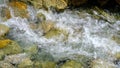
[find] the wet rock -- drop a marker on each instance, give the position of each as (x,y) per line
(31,49)
(3,30)
(42,56)
(46,25)
(72,64)
(48,65)
(11,48)
(26,63)
(15,59)
(19,9)
(58,4)
(4,43)
(45,64)
(40,17)
(117,55)
(6,65)
(5,13)
(98,63)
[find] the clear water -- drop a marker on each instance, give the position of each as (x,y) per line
(86,35)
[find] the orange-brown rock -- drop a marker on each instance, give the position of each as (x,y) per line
(19,8)
(5,13)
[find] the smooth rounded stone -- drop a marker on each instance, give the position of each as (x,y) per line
(26,63)
(16,59)
(3,30)
(72,64)
(6,65)
(19,9)
(117,55)
(5,13)
(12,48)
(98,63)
(102,2)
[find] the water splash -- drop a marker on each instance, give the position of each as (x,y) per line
(87,36)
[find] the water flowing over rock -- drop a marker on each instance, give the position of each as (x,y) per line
(35,35)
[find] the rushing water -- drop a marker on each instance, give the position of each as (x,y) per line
(86,35)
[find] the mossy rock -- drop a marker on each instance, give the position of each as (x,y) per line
(31,49)
(11,48)
(44,64)
(19,9)
(3,30)
(72,64)
(26,63)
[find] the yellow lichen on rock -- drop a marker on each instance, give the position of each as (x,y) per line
(4,43)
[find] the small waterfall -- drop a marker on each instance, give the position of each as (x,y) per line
(86,35)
